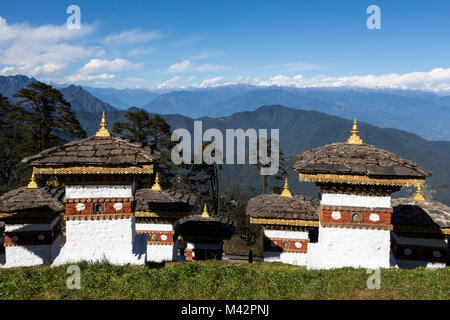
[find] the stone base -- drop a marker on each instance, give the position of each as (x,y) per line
(32,255)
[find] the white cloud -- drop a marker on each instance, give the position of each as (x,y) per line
(209,82)
(119,64)
(132,36)
(187,66)
(435,79)
(81,77)
(98,69)
(169,84)
(208,67)
(140,51)
(133,79)
(39,51)
(180,67)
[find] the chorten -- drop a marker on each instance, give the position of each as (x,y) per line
(100,175)
(157,211)
(356,181)
(30,217)
(204,234)
(421,232)
(289,225)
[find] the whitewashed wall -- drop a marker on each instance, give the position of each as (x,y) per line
(358,248)
(99,191)
(160,253)
(27,256)
(351,200)
(102,240)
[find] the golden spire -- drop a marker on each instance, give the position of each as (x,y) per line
(156,186)
(103,132)
(32,184)
(418,195)
(286,193)
(354,138)
(205,213)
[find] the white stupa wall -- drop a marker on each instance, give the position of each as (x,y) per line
(158,252)
(353,200)
(113,240)
(99,191)
(299,259)
(30,255)
(102,240)
(345,247)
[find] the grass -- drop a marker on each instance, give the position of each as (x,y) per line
(220,280)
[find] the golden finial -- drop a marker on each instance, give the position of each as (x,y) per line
(156,186)
(32,184)
(418,195)
(354,138)
(205,213)
(286,193)
(103,132)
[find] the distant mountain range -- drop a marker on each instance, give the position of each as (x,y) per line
(80,99)
(422,113)
(123,98)
(301,130)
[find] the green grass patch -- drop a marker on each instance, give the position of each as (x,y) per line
(221,280)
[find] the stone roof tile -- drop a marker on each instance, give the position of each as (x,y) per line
(40,199)
(420,213)
(272,206)
(343,158)
(95,150)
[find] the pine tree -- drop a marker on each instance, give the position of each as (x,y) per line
(41,119)
(204,179)
(154,132)
(45,117)
(282,172)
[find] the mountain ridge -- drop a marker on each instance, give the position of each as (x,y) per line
(301,130)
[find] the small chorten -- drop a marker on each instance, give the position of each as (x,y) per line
(156,186)
(286,193)
(205,213)
(103,131)
(32,184)
(418,195)
(354,138)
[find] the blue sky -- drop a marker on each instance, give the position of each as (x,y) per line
(166,44)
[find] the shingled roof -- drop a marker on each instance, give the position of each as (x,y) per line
(95,150)
(353,159)
(197,228)
(272,206)
(39,199)
(427,213)
(163,201)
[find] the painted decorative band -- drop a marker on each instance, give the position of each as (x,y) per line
(353,179)
(145,169)
(286,222)
(98,217)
